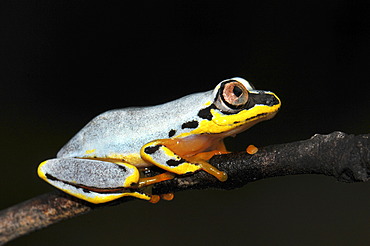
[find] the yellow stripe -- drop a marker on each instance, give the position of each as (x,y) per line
(183,168)
(40,173)
(105,198)
(90,151)
(223,122)
(133,178)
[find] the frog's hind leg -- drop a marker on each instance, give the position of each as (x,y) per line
(91,180)
(157,153)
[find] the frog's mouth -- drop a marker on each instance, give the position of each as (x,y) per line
(241,126)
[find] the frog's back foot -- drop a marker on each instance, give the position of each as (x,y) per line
(91,180)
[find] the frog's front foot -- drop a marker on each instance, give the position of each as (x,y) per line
(143,182)
(158,154)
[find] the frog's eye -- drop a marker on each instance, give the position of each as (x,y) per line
(232,96)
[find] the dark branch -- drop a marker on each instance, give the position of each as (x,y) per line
(345,157)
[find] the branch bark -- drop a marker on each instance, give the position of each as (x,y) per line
(345,157)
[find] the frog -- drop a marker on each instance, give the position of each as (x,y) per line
(105,160)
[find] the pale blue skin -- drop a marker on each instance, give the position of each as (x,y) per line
(125,131)
(121,131)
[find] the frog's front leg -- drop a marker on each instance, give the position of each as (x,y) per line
(94,181)
(158,153)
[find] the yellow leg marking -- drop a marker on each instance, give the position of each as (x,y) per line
(188,164)
(180,165)
(40,172)
(90,151)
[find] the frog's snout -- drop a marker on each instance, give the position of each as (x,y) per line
(264,98)
(271,100)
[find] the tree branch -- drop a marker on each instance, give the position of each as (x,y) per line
(345,157)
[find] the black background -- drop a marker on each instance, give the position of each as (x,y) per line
(64,62)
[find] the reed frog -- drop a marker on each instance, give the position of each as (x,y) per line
(101,162)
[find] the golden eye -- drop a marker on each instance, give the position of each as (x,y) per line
(232,96)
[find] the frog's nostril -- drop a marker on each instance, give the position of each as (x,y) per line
(271,100)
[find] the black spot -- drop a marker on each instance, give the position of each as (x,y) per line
(123,168)
(51,177)
(86,190)
(190,124)
(256,116)
(152,149)
(172,133)
(206,112)
(174,163)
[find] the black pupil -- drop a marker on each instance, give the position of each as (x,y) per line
(237,91)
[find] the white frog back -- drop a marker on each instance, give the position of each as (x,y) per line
(125,131)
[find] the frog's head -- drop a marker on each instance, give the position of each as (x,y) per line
(236,106)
